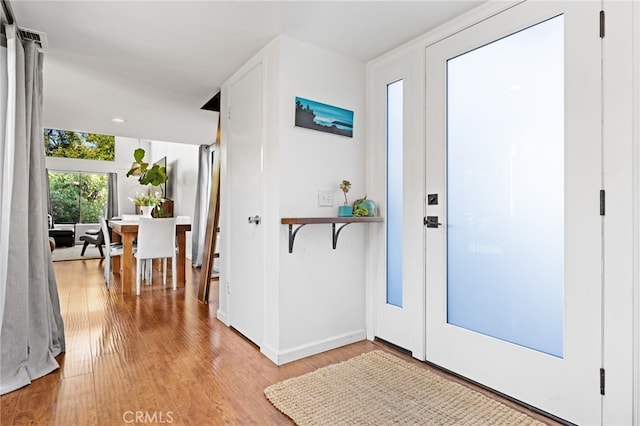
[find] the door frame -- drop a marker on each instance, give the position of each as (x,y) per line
(635,137)
(621,149)
(408,68)
(225,274)
(573,377)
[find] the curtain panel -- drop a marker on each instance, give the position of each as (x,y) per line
(32,330)
(112,209)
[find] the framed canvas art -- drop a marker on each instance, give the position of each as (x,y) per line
(322,117)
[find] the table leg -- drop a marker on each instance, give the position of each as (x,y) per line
(182,243)
(128,265)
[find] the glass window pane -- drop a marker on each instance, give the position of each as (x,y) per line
(77,197)
(395,142)
(63,194)
(70,144)
(505,188)
(93,197)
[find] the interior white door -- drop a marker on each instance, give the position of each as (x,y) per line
(514,244)
(398,287)
(246,285)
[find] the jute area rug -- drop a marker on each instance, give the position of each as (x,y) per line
(73,253)
(377,388)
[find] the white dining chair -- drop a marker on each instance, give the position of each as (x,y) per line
(110,250)
(156,240)
(183,219)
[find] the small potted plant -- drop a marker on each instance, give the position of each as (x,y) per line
(364,207)
(147,202)
(346,210)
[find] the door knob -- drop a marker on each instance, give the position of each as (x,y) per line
(254,219)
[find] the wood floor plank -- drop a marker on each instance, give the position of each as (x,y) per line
(8,404)
(154,358)
(76,403)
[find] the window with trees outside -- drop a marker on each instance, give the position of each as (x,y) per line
(70,144)
(77,197)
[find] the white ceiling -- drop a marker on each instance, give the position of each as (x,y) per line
(155,63)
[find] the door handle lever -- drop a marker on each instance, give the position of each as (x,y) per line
(254,219)
(431,222)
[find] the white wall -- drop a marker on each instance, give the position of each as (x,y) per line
(321,290)
(314,297)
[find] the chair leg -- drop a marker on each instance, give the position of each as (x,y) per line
(100,250)
(107,270)
(84,247)
(148,264)
(164,272)
(174,272)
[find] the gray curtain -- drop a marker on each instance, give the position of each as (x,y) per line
(32,331)
(201,211)
(6,171)
(49,209)
(112,209)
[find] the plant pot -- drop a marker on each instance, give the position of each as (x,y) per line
(369,205)
(345,211)
(146,210)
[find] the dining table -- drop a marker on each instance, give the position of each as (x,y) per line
(126,231)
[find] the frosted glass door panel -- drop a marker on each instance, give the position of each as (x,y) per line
(505,188)
(395,142)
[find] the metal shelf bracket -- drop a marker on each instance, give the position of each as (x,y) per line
(292,235)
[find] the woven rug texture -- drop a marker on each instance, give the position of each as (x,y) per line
(377,388)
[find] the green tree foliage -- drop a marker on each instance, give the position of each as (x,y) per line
(77,197)
(68,144)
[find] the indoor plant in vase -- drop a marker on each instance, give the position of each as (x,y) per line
(146,202)
(148,176)
(346,210)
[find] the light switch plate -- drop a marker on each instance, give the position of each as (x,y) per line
(325,198)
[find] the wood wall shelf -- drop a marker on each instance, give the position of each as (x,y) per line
(302,221)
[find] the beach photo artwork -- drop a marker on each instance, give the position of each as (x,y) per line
(322,117)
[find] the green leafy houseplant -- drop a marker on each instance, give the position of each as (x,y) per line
(147,199)
(154,175)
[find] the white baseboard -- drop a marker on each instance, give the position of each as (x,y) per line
(222,316)
(313,348)
(270,353)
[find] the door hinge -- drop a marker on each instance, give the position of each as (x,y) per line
(602,24)
(229,113)
(602,381)
(602,202)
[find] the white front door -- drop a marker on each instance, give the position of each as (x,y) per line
(514,242)
(398,285)
(246,284)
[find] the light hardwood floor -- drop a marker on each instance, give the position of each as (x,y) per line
(161,358)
